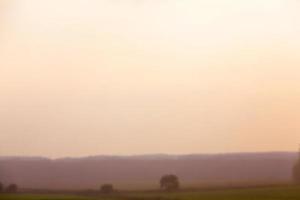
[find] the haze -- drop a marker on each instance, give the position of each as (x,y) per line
(87,77)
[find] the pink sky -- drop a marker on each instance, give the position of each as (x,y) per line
(86,77)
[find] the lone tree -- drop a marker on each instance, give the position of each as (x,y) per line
(169,182)
(1,187)
(296,171)
(12,188)
(107,188)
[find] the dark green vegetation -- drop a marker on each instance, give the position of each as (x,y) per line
(270,193)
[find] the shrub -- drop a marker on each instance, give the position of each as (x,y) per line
(1,187)
(296,172)
(107,188)
(12,188)
(169,182)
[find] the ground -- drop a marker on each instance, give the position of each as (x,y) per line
(269,193)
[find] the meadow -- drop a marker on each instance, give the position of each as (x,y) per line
(268,193)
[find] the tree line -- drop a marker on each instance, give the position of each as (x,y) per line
(168,182)
(296,171)
(12,188)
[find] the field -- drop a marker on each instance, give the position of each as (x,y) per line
(270,193)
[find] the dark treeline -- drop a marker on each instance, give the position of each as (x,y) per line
(89,172)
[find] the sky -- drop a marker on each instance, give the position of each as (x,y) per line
(114,77)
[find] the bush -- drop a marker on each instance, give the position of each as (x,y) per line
(107,188)
(12,188)
(169,182)
(296,172)
(1,187)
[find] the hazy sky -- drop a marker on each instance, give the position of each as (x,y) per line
(86,77)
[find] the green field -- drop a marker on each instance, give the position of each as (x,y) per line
(271,193)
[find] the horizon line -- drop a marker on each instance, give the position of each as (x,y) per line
(141,155)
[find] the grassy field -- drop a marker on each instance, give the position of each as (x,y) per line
(271,193)
(41,197)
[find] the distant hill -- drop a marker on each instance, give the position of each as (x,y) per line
(145,170)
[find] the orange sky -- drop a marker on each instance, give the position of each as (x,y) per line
(86,77)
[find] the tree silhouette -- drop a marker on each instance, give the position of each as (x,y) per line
(12,188)
(107,188)
(296,171)
(169,182)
